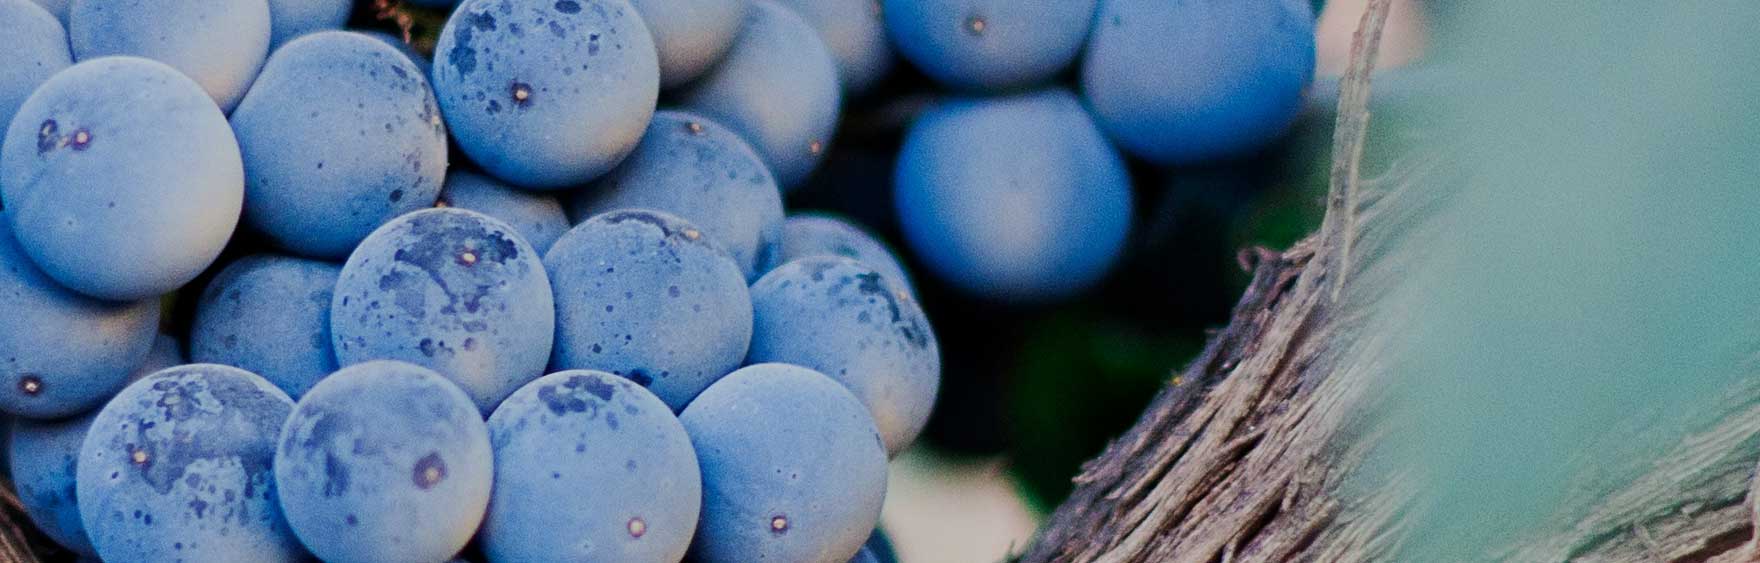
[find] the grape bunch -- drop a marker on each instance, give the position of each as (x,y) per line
(280,290)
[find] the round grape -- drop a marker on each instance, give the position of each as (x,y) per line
(546,94)
(1016,198)
(793,469)
(614,450)
(450,290)
(178,467)
(121,178)
(1199,80)
(384,462)
(647,296)
(340,135)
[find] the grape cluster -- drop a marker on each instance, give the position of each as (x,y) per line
(540,297)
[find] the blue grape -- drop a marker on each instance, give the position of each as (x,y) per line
(778,88)
(702,172)
(121,179)
(177,468)
(613,450)
(690,36)
(422,61)
(340,135)
(845,320)
(990,45)
(221,44)
(1017,198)
(63,353)
(434,3)
(538,217)
(793,469)
(819,234)
(546,94)
(269,315)
(450,290)
(36,47)
(384,462)
(292,18)
(647,296)
(855,32)
(1198,80)
(43,458)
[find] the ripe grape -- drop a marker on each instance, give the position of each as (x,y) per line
(793,469)
(546,94)
(538,216)
(177,467)
(36,49)
(62,353)
(845,320)
(121,178)
(691,35)
(292,18)
(820,234)
(989,45)
(1013,198)
(450,290)
(610,447)
(1198,80)
(647,296)
(43,459)
(339,135)
(384,462)
(855,31)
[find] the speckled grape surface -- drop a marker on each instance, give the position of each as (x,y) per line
(384,462)
(610,447)
(339,135)
(546,93)
(650,297)
(451,290)
(821,234)
(177,467)
(44,462)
